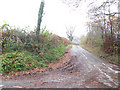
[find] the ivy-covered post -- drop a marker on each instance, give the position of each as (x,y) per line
(39,19)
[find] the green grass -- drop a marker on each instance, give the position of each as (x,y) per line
(68,46)
(101,54)
(27,52)
(16,61)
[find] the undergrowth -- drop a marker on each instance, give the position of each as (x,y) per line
(21,50)
(101,54)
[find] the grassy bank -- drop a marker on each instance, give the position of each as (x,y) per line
(21,50)
(101,54)
(16,61)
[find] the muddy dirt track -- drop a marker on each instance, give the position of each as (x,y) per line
(83,71)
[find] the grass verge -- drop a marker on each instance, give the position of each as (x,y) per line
(16,61)
(101,54)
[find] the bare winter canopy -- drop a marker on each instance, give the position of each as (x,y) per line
(69,32)
(74,3)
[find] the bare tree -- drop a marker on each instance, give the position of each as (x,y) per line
(70,32)
(74,3)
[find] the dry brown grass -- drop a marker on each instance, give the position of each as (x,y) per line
(61,39)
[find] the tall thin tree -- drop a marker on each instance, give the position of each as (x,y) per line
(39,18)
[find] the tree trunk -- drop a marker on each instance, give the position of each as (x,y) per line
(39,19)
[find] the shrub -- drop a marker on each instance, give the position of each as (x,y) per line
(19,61)
(22,51)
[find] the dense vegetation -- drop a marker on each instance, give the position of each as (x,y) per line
(22,51)
(103,37)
